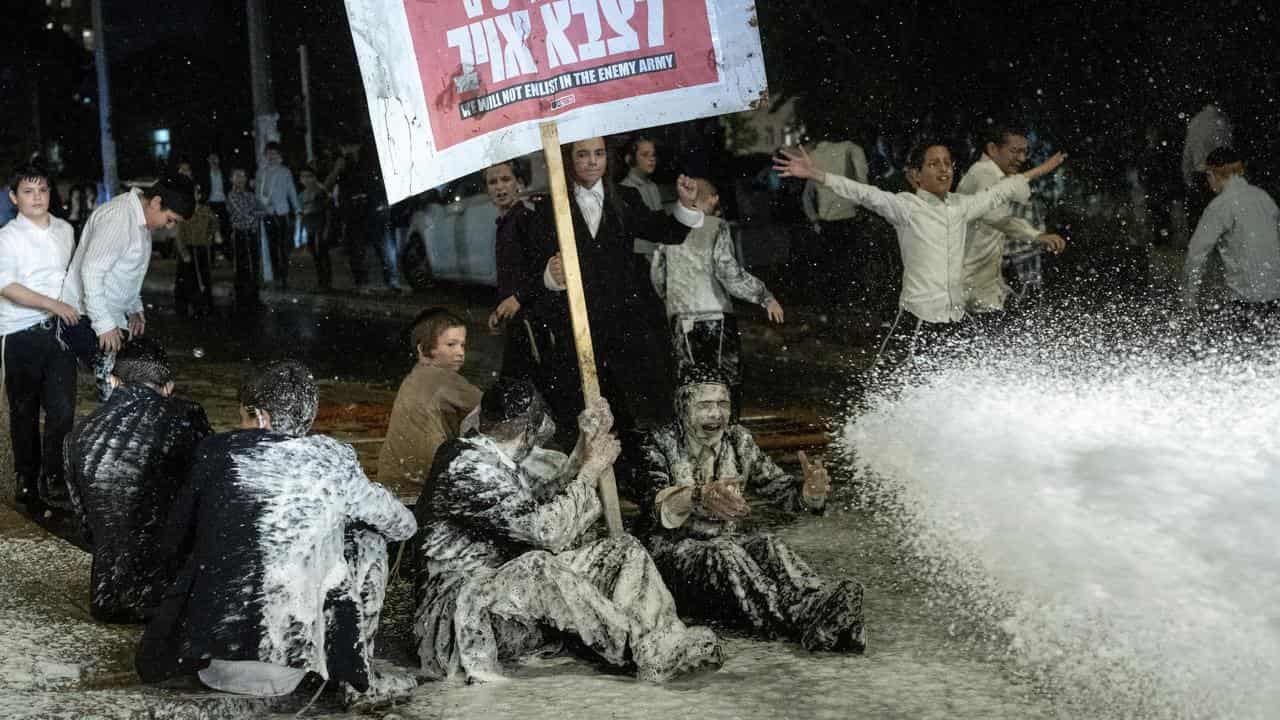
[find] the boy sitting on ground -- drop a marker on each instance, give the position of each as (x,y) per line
(125,465)
(432,400)
(690,486)
(281,543)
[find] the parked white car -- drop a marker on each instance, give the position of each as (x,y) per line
(451,236)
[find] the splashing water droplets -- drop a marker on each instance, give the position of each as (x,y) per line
(1112,511)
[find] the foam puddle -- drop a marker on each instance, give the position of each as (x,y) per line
(1112,512)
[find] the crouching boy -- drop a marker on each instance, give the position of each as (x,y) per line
(283,546)
(125,465)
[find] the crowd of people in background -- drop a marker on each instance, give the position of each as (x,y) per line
(258,557)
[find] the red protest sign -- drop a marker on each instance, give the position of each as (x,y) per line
(509,61)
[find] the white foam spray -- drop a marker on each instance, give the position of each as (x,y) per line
(1111,511)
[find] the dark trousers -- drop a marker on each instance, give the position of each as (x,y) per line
(39,375)
(193,287)
(248,260)
(280,243)
(224,225)
(316,226)
(355,223)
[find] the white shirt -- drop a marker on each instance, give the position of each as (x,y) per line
(1240,224)
(931,233)
(275,187)
(35,258)
(985,240)
(105,278)
(216,192)
(591,203)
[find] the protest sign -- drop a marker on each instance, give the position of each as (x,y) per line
(456,85)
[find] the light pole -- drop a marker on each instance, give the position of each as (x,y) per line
(110,176)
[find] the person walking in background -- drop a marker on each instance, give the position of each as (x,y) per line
(352,176)
(217,193)
(279,196)
(193,244)
(245,212)
(1208,130)
(841,249)
(315,223)
(1001,231)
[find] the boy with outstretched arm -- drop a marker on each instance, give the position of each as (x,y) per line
(931,224)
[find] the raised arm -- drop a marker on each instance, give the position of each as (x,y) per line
(485,492)
(797,163)
(657,226)
(762,475)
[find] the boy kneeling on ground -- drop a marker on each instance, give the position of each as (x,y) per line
(126,463)
(282,542)
(432,401)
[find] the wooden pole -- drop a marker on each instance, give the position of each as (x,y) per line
(577,305)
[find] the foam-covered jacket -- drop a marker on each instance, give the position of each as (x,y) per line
(699,278)
(261,534)
(125,464)
(669,471)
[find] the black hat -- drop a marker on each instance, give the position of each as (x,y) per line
(1221,157)
(508,400)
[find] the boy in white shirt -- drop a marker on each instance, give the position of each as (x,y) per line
(39,374)
(104,281)
(931,225)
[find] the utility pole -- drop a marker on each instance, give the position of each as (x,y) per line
(265,118)
(305,72)
(265,129)
(110,176)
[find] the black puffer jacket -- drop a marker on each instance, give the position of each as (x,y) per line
(125,464)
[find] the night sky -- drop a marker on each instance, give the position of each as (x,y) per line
(1093,76)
